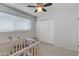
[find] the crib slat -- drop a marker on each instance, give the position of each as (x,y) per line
(37,49)
(13,48)
(19,46)
(28,51)
(32,51)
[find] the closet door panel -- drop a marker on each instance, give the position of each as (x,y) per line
(51,31)
(42,30)
(45,31)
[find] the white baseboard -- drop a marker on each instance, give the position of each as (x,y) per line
(47,42)
(65,48)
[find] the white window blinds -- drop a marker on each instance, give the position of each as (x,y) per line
(13,23)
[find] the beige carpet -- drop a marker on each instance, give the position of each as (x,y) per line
(50,50)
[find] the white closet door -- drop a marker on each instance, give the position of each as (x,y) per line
(78,37)
(51,31)
(78,32)
(45,31)
(42,30)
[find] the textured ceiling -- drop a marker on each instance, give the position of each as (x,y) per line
(23,7)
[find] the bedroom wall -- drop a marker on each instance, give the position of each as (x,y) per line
(23,34)
(65,24)
(66,28)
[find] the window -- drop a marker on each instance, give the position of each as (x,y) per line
(13,23)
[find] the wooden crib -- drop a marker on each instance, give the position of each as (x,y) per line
(19,47)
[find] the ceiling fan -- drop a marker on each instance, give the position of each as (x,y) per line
(40,7)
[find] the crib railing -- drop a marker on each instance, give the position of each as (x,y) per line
(19,47)
(32,50)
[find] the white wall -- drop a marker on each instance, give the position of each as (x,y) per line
(66,27)
(23,34)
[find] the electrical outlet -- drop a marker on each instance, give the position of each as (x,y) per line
(78,18)
(78,45)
